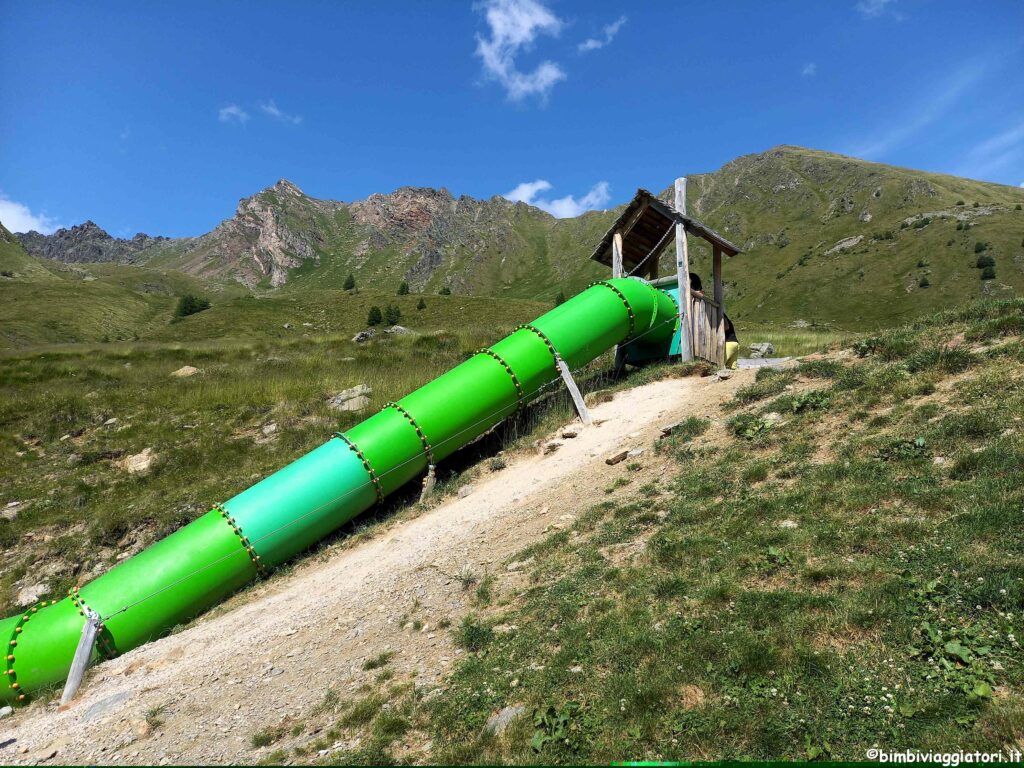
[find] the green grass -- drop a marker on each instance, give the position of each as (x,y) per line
(886,608)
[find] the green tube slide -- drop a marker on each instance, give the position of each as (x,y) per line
(202,563)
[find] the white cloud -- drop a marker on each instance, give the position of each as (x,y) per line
(872,9)
(514,25)
(233,113)
(609,30)
(923,114)
(993,155)
(563,207)
(809,70)
(19,218)
(270,108)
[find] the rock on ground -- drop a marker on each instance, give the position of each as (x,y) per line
(498,722)
(140,462)
(185,371)
(351,399)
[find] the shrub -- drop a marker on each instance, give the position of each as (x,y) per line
(988,273)
(403,289)
(350,282)
(923,282)
(560,298)
(421,305)
(960,202)
(980,247)
(472,635)
(190,305)
(1017,207)
(903,225)
(922,223)
(446,291)
(392,315)
(976,204)
(748,426)
(375,316)
(949,242)
(921,263)
(903,450)
(985,261)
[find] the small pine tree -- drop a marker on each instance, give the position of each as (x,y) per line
(976,204)
(988,273)
(350,282)
(446,291)
(403,289)
(979,247)
(190,305)
(921,263)
(959,202)
(560,298)
(1017,207)
(923,282)
(421,305)
(375,317)
(985,261)
(959,226)
(392,315)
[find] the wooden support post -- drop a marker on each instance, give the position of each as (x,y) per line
(577,398)
(428,483)
(617,255)
(720,301)
(683,275)
(83,653)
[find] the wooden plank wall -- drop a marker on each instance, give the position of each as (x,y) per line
(706,331)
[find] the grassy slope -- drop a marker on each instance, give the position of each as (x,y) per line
(56,455)
(851,576)
(789,206)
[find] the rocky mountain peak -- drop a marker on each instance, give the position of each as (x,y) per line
(286,187)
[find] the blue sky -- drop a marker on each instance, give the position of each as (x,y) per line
(158,117)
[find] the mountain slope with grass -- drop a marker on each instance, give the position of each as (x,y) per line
(813,560)
(828,240)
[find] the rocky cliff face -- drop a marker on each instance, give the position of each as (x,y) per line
(86,242)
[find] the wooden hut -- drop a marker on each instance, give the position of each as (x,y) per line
(632,247)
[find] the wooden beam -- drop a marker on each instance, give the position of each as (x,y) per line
(683,275)
(577,398)
(617,255)
(720,301)
(83,654)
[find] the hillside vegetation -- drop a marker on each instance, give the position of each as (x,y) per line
(828,241)
(835,561)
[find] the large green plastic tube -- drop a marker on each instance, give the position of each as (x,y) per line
(265,525)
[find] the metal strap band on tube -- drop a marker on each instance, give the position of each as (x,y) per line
(512,374)
(543,337)
(621,295)
(366,465)
(423,438)
(253,554)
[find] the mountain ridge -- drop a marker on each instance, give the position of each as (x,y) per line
(821,233)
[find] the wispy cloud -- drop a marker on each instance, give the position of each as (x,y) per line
(923,114)
(18,217)
(995,154)
(563,207)
(270,108)
(810,70)
(233,113)
(609,30)
(514,26)
(872,9)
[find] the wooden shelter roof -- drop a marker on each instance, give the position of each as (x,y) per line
(647,224)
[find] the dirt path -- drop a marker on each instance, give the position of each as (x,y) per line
(273,658)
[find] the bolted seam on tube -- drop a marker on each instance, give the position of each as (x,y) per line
(521,397)
(253,554)
(419,432)
(366,465)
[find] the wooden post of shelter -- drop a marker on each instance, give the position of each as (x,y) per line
(683,275)
(620,352)
(720,301)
